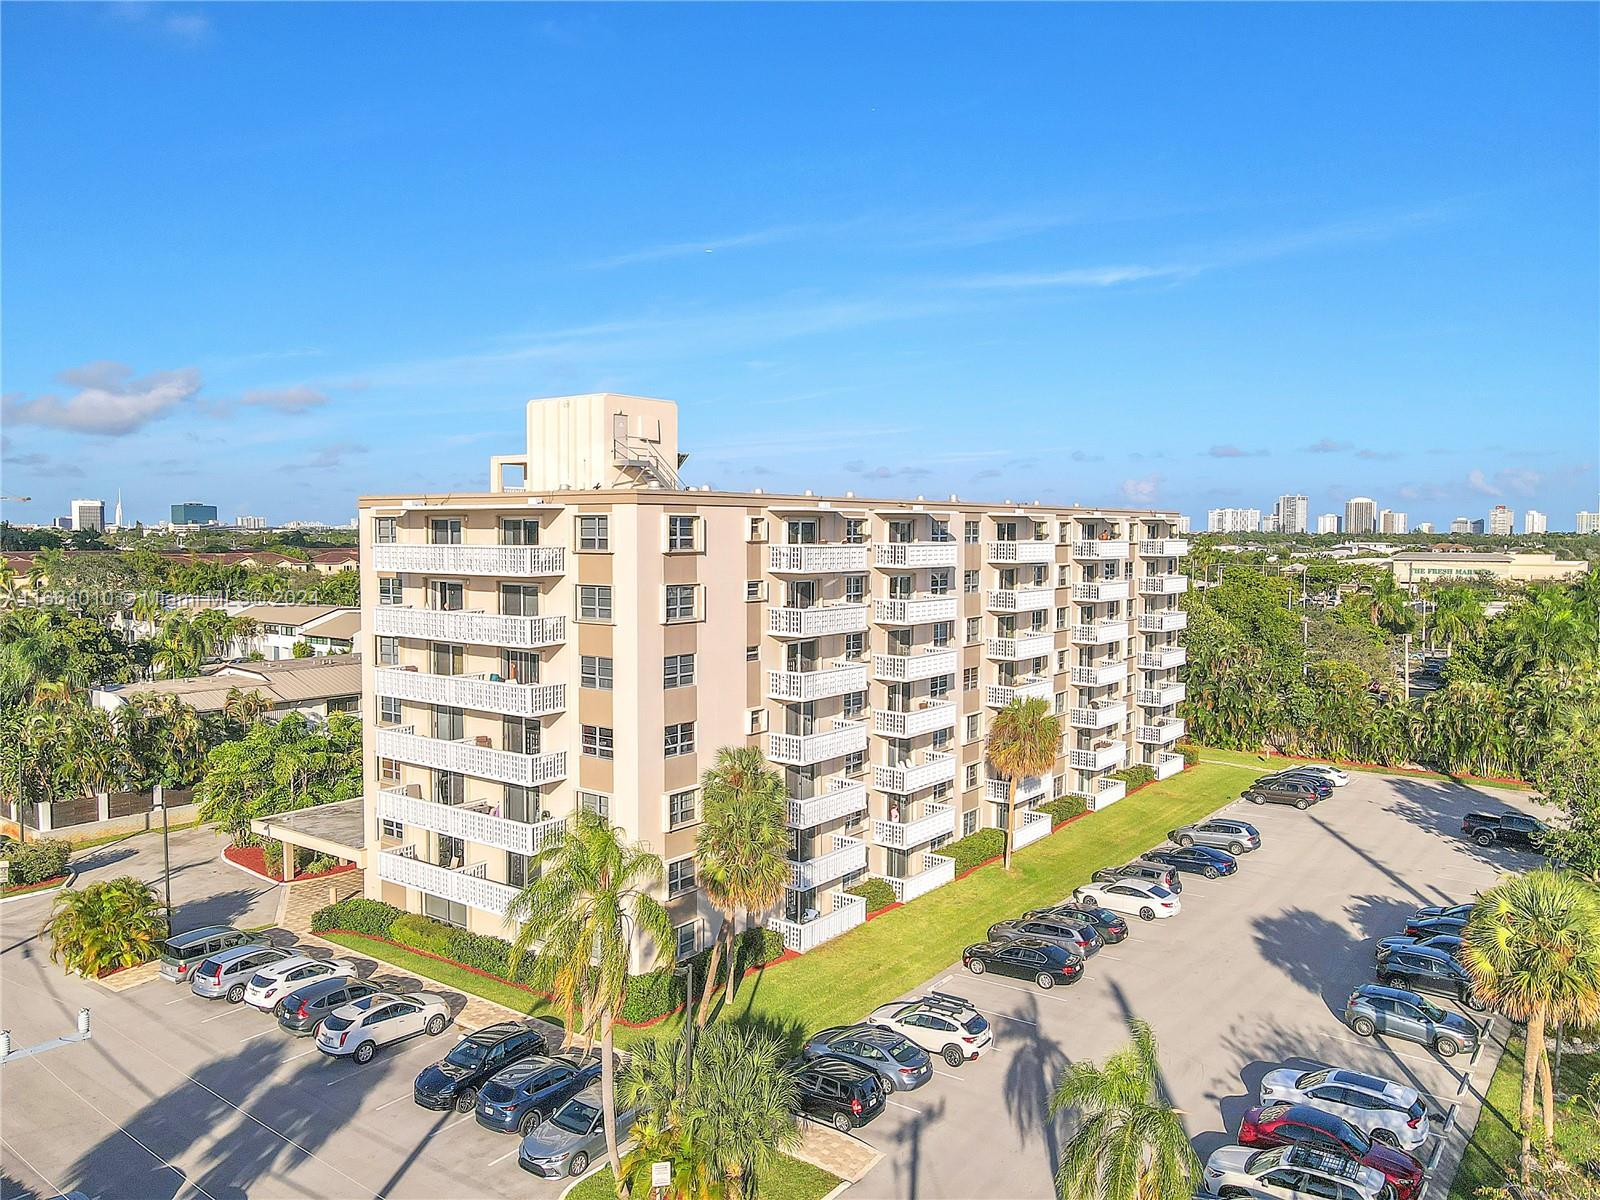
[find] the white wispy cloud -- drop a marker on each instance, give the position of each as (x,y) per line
(1076,277)
(109,400)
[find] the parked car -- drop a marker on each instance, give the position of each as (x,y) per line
(1507,828)
(1332,774)
(1077,936)
(1310,774)
(181,952)
(1429,911)
(302,1010)
(1304,1125)
(453,1081)
(1424,970)
(1302,793)
(901,1063)
(940,1023)
(1111,928)
(1046,963)
(838,1092)
(1292,1172)
(226,974)
(1139,868)
(1236,837)
(276,980)
(381,1019)
(571,1138)
(1426,927)
(1373,1008)
(1201,860)
(1450,943)
(1148,901)
(1387,1112)
(521,1096)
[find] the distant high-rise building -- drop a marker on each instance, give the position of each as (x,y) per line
(1233,520)
(1476,526)
(1534,521)
(1461,525)
(1182,524)
(116,516)
(1293,513)
(1329,523)
(245,521)
(192,512)
(1390,521)
(1500,519)
(1423,527)
(62,522)
(89,514)
(1360,515)
(1589,522)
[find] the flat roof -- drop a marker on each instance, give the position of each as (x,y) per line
(290,614)
(286,681)
(341,824)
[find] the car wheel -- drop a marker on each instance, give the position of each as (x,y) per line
(236,993)
(364,1052)
(1363,1026)
(1233,1193)
(579,1164)
(530,1122)
(976,966)
(953,1056)
(1302,804)
(436,1024)
(466,1100)
(1388,980)
(1473,1002)
(1211,873)
(1387,1137)
(841,1122)
(1446,1046)
(1147,913)
(1235,847)
(1045,980)
(1484,839)
(1186,840)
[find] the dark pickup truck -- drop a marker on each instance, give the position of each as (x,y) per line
(1509,829)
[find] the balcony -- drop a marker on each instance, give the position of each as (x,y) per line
(470,560)
(817,621)
(815,560)
(468,885)
(1163,658)
(915,555)
(842,798)
(469,758)
(1098,549)
(473,628)
(1099,758)
(937,820)
(1034,644)
(1026,599)
(1106,793)
(830,679)
(1099,633)
(1022,552)
(1031,790)
(806,749)
(1163,585)
(1032,827)
(1096,716)
(916,611)
(1160,733)
(847,856)
(1164,696)
(1034,687)
(1102,674)
(937,870)
(1163,548)
(920,664)
(844,914)
(1103,590)
(477,692)
(1168,620)
(471,823)
(939,714)
(915,774)
(1167,765)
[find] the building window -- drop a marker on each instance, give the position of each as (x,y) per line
(855,646)
(686,939)
(389,710)
(389,770)
(855,764)
(596,803)
(1061,702)
(392,829)
(597,742)
(974,629)
(448,723)
(969,679)
(974,726)
(941,740)
(681,601)
(677,670)
(679,739)
(855,531)
(594,533)
(855,589)
(755,589)
(519,531)
(752,654)
(943,632)
(680,877)
(594,602)
(969,533)
(940,687)
(758,529)
(594,671)
(969,822)
(941,582)
(972,775)
(384,530)
(389,591)
(1062,617)
(681,808)
(940,531)
(445,531)
(388,652)
(855,703)
(519,600)
(682,532)
(969,582)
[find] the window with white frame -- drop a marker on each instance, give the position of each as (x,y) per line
(974,629)
(389,590)
(969,679)
(681,808)
(972,775)
(944,632)
(686,939)
(969,582)
(855,589)
(595,802)
(682,601)
(757,530)
(755,589)
(969,822)
(389,710)
(939,531)
(969,533)
(855,703)
(388,652)
(940,687)
(752,654)
(1061,702)
(683,533)
(594,602)
(519,531)
(941,582)
(598,742)
(681,877)
(678,739)
(855,764)
(941,741)
(677,670)
(595,671)
(389,770)
(594,533)
(855,646)
(391,828)
(385,530)
(1062,618)
(974,726)
(855,531)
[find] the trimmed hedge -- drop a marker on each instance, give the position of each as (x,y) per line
(1190,752)
(875,892)
(1065,808)
(975,848)
(358,915)
(38,860)
(1136,776)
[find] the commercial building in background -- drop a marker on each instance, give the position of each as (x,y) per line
(64,523)
(1360,515)
(1390,521)
(89,515)
(192,512)
(587,633)
(1500,520)
(245,521)
(1233,520)
(1423,527)
(1444,566)
(1293,514)
(1588,522)
(1329,523)
(1534,521)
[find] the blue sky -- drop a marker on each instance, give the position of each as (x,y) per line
(276,256)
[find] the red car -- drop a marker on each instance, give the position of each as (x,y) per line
(1303,1125)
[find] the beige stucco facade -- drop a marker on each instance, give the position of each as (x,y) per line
(1464,567)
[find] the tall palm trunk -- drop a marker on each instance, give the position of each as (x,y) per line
(1533,1056)
(608,1096)
(1547,1086)
(1011,814)
(711,971)
(733,955)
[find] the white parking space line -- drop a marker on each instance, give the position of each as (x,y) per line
(1042,993)
(259,1033)
(506,1155)
(948,1075)
(469,1119)
(1370,1043)
(396,1100)
(231,1010)
(179,1000)
(302,1054)
(907,1107)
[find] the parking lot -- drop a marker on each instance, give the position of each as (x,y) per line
(178,1097)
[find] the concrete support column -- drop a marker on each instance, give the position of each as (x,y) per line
(103,805)
(41,813)
(288,862)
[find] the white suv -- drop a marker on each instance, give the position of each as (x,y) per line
(276,980)
(940,1023)
(1291,1172)
(1387,1112)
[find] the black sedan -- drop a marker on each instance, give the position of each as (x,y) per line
(1427,927)
(1109,925)
(1428,911)
(454,1080)
(1450,943)
(1202,860)
(1025,958)
(302,1010)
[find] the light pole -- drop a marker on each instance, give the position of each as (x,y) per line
(687,967)
(160,802)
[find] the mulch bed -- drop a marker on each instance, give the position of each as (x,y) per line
(22,889)
(254,860)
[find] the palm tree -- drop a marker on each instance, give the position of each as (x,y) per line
(1022,741)
(590,896)
(1130,1143)
(1546,627)
(1390,607)
(244,709)
(742,848)
(1457,617)
(117,923)
(1532,946)
(180,648)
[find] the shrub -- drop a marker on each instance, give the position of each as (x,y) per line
(659,992)
(652,995)
(357,914)
(1190,752)
(875,892)
(1136,776)
(1065,808)
(39,860)
(420,933)
(975,848)
(321,863)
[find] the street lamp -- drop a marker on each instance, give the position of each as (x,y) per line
(159,801)
(686,968)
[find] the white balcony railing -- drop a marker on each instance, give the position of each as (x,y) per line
(1099,758)
(845,912)
(470,560)
(1160,733)
(1163,585)
(468,758)
(1163,548)
(467,885)
(937,870)
(830,679)
(806,749)
(477,692)
(918,610)
(1099,633)
(1161,697)
(1024,599)
(818,621)
(470,823)
(1034,644)
(1101,674)
(1168,765)
(1106,792)
(940,714)
(1167,621)
(1098,549)
(1162,658)
(937,820)
(915,775)
(842,798)
(848,855)
(1031,790)
(1030,828)
(914,555)
(1102,590)
(815,560)
(998,695)
(473,628)
(1022,552)
(1096,716)
(920,664)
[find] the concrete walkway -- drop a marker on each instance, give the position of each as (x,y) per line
(297,901)
(837,1153)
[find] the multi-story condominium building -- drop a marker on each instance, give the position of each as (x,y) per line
(1329,523)
(1233,520)
(1500,519)
(89,514)
(1293,514)
(588,633)
(1588,522)
(246,521)
(1390,521)
(1534,521)
(1360,515)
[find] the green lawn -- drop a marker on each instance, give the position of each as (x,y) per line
(790,1179)
(1491,1154)
(1263,763)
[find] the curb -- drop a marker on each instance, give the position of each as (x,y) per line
(67,880)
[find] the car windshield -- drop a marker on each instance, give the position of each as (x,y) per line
(175,950)
(1311,1079)
(1432,1011)
(467,1054)
(1105,915)
(575,1116)
(975,1024)
(338,1024)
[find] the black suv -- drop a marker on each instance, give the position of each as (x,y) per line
(453,1081)
(1420,969)
(837,1091)
(1025,958)
(1151,872)
(1302,793)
